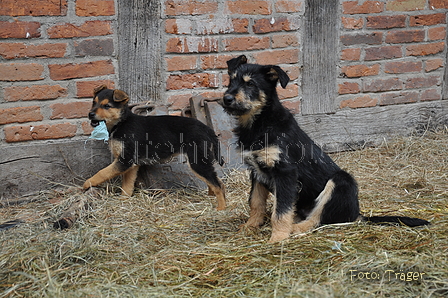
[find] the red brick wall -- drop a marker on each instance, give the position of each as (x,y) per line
(392,52)
(202,35)
(52,55)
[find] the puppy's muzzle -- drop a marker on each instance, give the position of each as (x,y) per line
(93,121)
(228,99)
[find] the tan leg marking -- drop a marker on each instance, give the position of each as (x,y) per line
(127,186)
(218,191)
(105,174)
(313,220)
(281,226)
(257,203)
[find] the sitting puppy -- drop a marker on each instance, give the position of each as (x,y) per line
(136,140)
(309,188)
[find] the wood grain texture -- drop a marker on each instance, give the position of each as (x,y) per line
(139,48)
(320,57)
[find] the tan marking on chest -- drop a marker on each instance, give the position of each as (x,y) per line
(116,147)
(267,156)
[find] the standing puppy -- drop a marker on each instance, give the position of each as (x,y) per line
(309,188)
(135,140)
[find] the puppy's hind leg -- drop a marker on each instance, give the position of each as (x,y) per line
(314,218)
(207,173)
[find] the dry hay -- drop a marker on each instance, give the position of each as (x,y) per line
(173,243)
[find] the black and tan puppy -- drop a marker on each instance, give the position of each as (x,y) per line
(135,140)
(309,188)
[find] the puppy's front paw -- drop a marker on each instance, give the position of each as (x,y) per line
(87,185)
(277,237)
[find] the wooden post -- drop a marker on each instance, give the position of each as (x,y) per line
(139,49)
(320,57)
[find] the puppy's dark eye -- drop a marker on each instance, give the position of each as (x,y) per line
(250,84)
(107,106)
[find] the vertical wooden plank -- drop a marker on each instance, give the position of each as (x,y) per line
(139,49)
(320,56)
(445,75)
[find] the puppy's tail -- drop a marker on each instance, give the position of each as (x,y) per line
(408,221)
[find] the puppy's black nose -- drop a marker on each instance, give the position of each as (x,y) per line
(228,99)
(92,115)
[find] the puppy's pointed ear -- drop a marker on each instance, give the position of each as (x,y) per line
(98,89)
(120,96)
(275,73)
(233,63)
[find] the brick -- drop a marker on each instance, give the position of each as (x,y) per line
(22,50)
(33,8)
(89,28)
(391,98)
(86,128)
(94,47)
(265,26)
(214,61)
(80,70)
(178,26)
(291,91)
(405,36)
(21,72)
(430,94)
(255,7)
(36,92)
(288,5)
(351,54)
(382,85)
(192,81)
(437,33)
(438,4)
(70,110)
(380,53)
(212,94)
(221,26)
(425,49)
(427,20)
(179,101)
(292,105)
(422,82)
(85,88)
(356,71)
(293,71)
(20,115)
(352,7)
(181,63)
(403,67)
(349,88)
(361,38)
(405,5)
(179,7)
(285,40)
(359,102)
(39,132)
(386,22)
(89,8)
(352,23)
(240,25)
(277,57)
(192,45)
(433,64)
(19,29)
(246,43)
